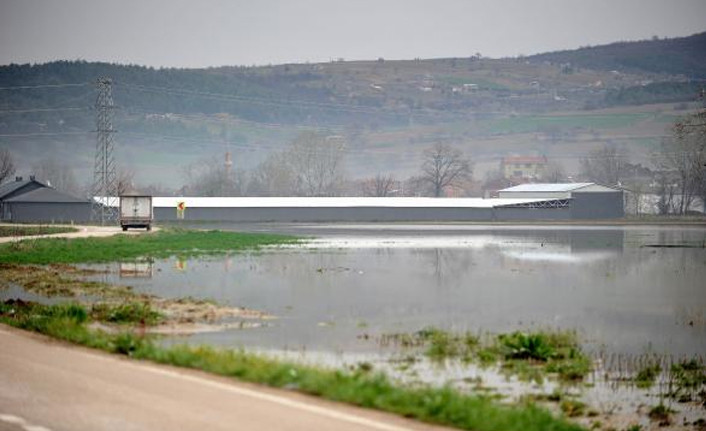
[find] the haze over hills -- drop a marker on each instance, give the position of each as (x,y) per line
(560,104)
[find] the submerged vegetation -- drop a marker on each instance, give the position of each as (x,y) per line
(646,376)
(688,381)
(527,355)
(164,243)
(360,387)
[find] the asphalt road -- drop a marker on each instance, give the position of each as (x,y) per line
(47,385)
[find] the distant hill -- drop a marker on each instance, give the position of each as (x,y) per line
(558,103)
(677,56)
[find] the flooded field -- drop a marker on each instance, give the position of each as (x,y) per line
(625,290)
(442,304)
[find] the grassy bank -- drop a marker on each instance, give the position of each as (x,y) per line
(121,247)
(21,230)
(362,387)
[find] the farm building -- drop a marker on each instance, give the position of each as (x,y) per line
(546,202)
(349,209)
(19,186)
(33,201)
(576,201)
(587,200)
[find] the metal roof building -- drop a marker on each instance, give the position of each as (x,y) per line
(555,190)
(33,201)
(587,200)
(520,203)
(366,209)
(19,186)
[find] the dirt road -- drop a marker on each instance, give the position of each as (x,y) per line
(83,232)
(49,386)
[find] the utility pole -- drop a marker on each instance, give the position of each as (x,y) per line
(104,193)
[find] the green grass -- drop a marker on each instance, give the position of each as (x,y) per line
(121,247)
(360,387)
(128,312)
(519,345)
(646,377)
(20,230)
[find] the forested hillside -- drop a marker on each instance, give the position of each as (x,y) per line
(677,56)
(380,92)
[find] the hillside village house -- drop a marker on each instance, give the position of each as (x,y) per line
(521,168)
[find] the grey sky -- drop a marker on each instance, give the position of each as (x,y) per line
(238,32)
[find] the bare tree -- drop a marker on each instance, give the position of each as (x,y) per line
(666,189)
(553,173)
(126,180)
(56,174)
(604,166)
(378,186)
(208,177)
(317,162)
(495,180)
(444,166)
(693,129)
(684,156)
(7,165)
(273,177)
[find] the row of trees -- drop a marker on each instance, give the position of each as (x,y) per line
(677,175)
(314,165)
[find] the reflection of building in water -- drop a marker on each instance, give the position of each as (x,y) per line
(136,270)
(562,246)
(597,240)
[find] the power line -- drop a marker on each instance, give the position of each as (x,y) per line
(24,111)
(22,135)
(31,87)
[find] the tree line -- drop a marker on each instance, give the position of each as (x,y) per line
(313,165)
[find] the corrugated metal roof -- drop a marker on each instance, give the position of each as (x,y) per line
(547,187)
(46,195)
(8,188)
(339,202)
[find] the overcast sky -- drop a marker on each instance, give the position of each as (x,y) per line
(202,33)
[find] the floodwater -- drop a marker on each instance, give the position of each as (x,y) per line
(634,295)
(626,290)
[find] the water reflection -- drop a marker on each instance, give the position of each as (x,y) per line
(135,269)
(620,296)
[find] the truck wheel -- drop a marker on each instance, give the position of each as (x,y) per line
(149,227)
(124,228)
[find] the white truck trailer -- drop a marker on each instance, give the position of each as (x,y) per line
(136,211)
